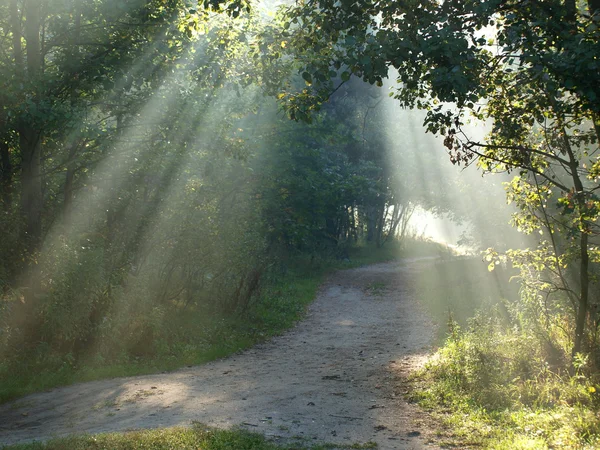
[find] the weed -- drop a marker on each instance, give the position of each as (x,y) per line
(457,289)
(376,288)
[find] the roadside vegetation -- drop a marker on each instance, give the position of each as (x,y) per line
(190,337)
(194,438)
(186,337)
(501,378)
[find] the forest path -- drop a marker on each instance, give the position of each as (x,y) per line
(335,377)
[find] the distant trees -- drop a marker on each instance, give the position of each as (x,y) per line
(347,176)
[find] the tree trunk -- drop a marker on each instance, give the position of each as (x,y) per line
(584,280)
(68,195)
(395,220)
(584,256)
(70,173)
(15,24)
(31,185)
(111,221)
(16,31)
(571,7)
(30,136)
(353,230)
(405,217)
(371,223)
(380,225)
(5,177)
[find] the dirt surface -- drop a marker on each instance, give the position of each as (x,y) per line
(335,377)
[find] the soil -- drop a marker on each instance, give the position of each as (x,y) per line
(335,377)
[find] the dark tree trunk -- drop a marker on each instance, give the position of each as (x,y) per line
(70,173)
(584,256)
(371,212)
(111,223)
(6,171)
(571,7)
(380,227)
(16,30)
(68,196)
(30,136)
(31,186)
(584,280)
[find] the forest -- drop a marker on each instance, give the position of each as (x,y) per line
(178,177)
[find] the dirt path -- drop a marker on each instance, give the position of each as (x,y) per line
(333,378)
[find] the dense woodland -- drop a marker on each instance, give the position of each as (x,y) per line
(164,164)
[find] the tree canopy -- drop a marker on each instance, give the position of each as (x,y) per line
(530,69)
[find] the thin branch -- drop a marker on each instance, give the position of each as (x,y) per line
(512,164)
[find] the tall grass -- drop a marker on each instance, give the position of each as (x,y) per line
(456,288)
(498,382)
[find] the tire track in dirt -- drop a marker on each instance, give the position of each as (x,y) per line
(335,377)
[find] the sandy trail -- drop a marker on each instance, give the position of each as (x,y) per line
(332,378)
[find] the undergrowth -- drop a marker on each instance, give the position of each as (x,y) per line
(460,286)
(189,335)
(502,378)
(181,337)
(493,387)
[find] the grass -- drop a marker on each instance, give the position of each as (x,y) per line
(189,339)
(409,248)
(194,438)
(463,421)
(186,338)
(377,288)
(492,384)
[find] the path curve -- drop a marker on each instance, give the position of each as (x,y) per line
(333,378)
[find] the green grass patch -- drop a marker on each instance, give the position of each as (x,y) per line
(376,288)
(185,338)
(492,388)
(197,437)
(408,248)
(496,382)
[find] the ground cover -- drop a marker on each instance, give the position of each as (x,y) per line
(197,437)
(495,383)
